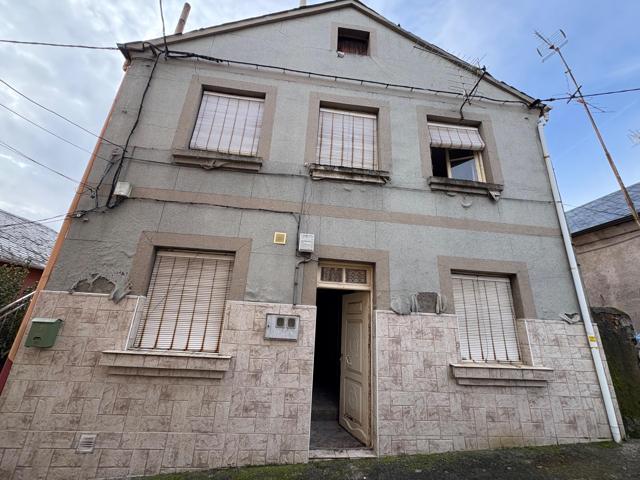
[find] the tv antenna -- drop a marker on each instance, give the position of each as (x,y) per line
(549,47)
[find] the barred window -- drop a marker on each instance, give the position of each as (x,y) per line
(185,302)
(347,139)
(486,318)
(228,124)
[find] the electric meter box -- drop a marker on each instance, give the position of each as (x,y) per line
(306,243)
(282,327)
(43,332)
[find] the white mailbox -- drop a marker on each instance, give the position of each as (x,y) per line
(282,327)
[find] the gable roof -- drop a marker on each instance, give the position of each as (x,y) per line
(315,9)
(603,211)
(23,242)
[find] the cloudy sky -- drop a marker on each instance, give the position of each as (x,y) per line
(80,84)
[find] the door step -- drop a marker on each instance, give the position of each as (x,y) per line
(329,453)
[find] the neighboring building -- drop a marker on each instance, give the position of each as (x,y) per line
(25,243)
(414,211)
(607,243)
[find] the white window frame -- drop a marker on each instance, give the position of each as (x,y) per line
(477,156)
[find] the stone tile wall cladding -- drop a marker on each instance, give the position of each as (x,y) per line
(422,409)
(259,412)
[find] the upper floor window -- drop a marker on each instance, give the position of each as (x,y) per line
(486,318)
(228,124)
(347,139)
(354,42)
(185,302)
(456,152)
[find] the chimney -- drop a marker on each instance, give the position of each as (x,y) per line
(183,18)
(303,3)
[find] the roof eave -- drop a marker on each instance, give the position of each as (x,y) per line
(126,48)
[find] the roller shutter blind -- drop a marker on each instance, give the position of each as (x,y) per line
(455,137)
(185,302)
(486,318)
(228,124)
(347,139)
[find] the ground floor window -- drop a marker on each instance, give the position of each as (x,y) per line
(486,318)
(185,301)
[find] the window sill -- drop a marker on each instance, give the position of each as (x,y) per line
(212,160)
(475,374)
(165,364)
(363,175)
(465,186)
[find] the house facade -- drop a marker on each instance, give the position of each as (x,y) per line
(312,234)
(607,245)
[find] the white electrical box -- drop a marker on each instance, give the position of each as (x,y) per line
(306,242)
(282,327)
(123,189)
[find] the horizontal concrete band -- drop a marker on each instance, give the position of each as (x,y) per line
(314,209)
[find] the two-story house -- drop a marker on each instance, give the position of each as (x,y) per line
(308,237)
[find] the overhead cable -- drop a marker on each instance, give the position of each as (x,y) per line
(57,114)
(24,155)
(76,214)
(126,144)
(65,45)
(49,131)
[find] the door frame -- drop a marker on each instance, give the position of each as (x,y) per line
(369,287)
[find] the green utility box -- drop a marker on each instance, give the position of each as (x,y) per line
(43,332)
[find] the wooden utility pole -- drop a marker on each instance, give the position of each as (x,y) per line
(555,47)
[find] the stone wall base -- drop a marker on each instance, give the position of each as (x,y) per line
(258,412)
(423,409)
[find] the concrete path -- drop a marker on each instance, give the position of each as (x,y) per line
(576,462)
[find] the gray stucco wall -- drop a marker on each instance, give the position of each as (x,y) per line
(521,226)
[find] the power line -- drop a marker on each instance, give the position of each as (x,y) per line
(56,113)
(49,131)
(555,44)
(178,54)
(55,218)
(310,74)
(116,175)
(66,45)
(15,150)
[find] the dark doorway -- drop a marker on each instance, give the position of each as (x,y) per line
(326,432)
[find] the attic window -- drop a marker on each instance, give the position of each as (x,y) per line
(354,42)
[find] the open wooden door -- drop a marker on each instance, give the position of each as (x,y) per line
(354,366)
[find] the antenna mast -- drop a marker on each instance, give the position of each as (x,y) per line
(552,45)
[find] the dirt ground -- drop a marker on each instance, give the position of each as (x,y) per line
(577,462)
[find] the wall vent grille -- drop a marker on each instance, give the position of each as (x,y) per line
(87,443)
